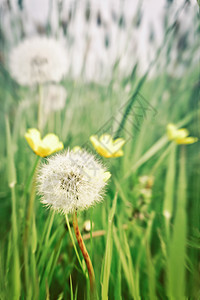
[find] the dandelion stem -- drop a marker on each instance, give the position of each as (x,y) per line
(29,211)
(83,249)
(73,242)
(26,233)
(31,176)
(91,240)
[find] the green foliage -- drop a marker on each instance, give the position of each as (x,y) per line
(138,251)
(142,251)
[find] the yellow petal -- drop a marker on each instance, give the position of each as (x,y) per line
(33,138)
(50,140)
(106,142)
(182,133)
(118,153)
(51,143)
(118,143)
(106,176)
(171,131)
(106,147)
(94,141)
(186,141)
(59,147)
(43,151)
(104,152)
(76,149)
(106,138)
(174,133)
(45,147)
(101,150)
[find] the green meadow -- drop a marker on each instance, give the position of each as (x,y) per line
(144,241)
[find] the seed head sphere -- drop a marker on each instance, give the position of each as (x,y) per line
(71,181)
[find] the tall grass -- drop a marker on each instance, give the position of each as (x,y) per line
(141,248)
(140,261)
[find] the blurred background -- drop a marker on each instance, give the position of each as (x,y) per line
(100,35)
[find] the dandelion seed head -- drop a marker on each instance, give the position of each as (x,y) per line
(54,98)
(87,225)
(71,181)
(38,60)
(167,214)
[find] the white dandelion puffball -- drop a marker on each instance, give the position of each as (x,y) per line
(38,60)
(71,181)
(54,98)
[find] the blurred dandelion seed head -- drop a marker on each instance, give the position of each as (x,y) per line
(87,225)
(38,60)
(71,181)
(167,214)
(54,98)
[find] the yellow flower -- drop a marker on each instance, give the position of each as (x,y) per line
(106,146)
(106,176)
(43,147)
(179,136)
(76,149)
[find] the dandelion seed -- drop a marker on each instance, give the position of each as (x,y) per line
(87,225)
(71,181)
(167,214)
(38,60)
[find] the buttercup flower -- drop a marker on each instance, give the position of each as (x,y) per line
(43,147)
(179,136)
(71,181)
(76,149)
(38,60)
(106,146)
(146,181)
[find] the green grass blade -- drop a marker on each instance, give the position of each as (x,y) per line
(15,289)
(177,253)
(147,155)
(71,288)
(10,157)
(151,274)
(169,189)
(133,271)
(108,252)
(34,235)
(45,234)
(117,290)
(125,257)
(50,267)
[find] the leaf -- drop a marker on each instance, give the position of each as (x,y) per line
(177,251)
(169,189)
(108,252)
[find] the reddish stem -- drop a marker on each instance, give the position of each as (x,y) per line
(86,257)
